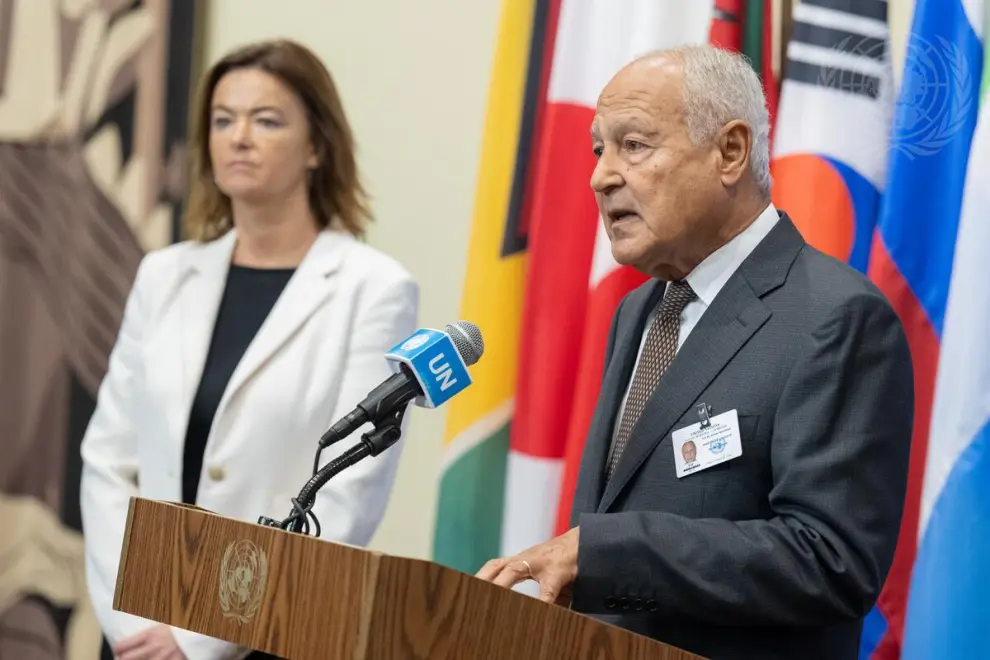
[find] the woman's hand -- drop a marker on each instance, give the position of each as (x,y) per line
(156,643)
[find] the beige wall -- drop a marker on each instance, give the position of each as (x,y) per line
(414,79)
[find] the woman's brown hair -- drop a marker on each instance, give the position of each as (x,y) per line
(336,195)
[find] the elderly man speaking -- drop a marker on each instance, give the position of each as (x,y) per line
(787,370)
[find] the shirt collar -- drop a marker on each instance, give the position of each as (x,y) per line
(708,277)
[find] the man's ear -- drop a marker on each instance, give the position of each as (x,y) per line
(735,143)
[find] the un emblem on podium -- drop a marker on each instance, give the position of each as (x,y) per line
(243,576)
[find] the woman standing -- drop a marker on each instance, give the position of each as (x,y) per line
(240,346)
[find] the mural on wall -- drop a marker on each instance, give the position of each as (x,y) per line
(93,108)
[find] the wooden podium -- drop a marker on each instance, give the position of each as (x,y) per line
(300,597)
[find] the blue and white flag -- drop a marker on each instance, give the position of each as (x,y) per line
(948,613)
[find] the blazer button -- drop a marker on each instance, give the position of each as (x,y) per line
(651,605)
(638,604)
(610,603)
(624,603)
(217,473)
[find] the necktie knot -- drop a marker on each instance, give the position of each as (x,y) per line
(676,297)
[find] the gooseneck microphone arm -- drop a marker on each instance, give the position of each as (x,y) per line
(386,433)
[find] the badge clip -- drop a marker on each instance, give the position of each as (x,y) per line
(704,414)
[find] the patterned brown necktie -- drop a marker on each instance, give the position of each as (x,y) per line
(658,353)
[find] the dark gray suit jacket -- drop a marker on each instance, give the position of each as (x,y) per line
(781,552)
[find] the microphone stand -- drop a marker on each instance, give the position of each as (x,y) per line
(384,434)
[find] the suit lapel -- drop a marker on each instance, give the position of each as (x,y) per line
(306,291)
(205,267)
(735,314)
(626,346)
(733,317)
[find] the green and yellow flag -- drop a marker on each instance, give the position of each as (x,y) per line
(476,442)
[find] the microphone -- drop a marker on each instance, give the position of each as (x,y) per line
(430,368)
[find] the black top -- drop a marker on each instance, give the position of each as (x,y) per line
(247,299)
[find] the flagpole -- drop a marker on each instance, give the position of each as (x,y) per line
(786,28)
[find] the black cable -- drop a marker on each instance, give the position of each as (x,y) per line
(316,459)
(383,436)
(303,503)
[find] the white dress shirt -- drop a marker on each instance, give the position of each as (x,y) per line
(707,279)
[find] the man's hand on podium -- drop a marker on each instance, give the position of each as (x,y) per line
(156,642)
(552,564)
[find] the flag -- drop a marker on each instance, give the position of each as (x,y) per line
(831,138)
(925,236)
(568,302)
(747,26)
(726,28)
(757,45)
(608,283)
(476,441)
(947,612)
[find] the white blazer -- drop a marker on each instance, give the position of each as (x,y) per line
(319,352)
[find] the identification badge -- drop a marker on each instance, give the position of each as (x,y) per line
(702,445)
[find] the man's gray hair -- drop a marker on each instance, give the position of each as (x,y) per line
(721,86)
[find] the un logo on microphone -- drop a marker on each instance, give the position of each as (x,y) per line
(432,357)
(415,342)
